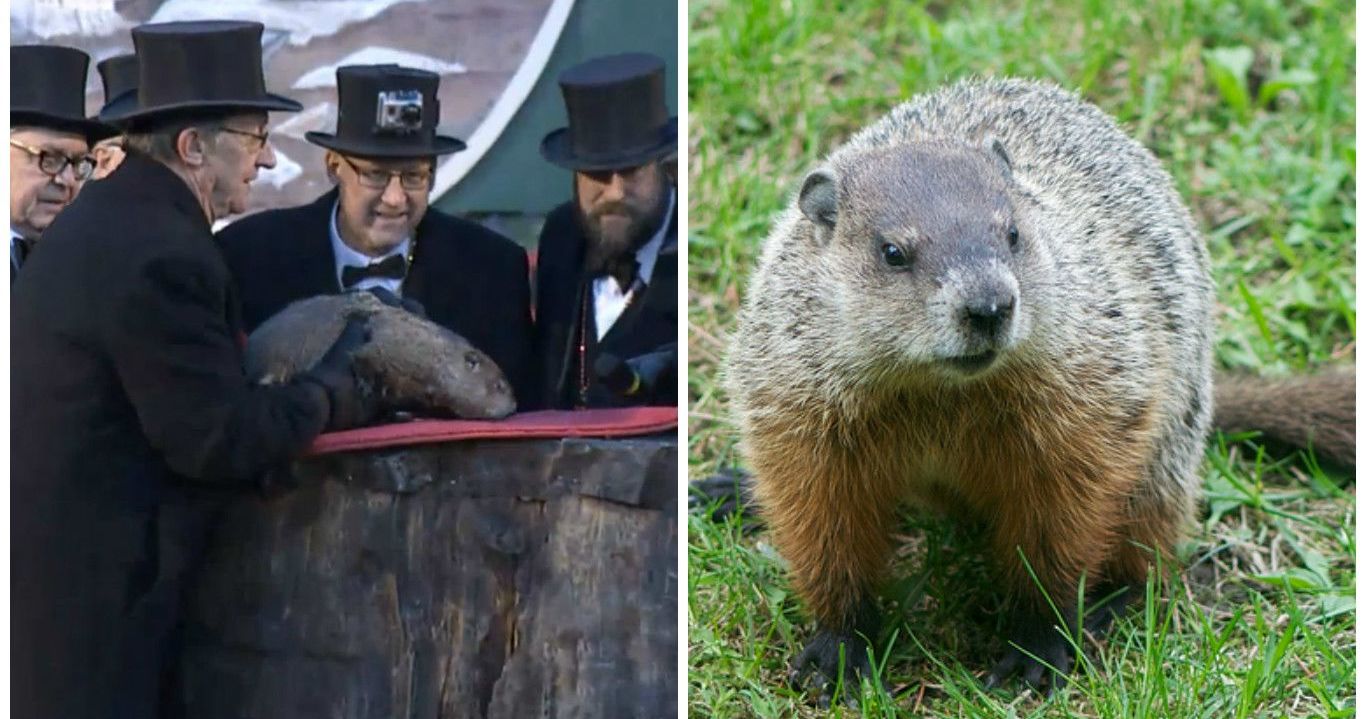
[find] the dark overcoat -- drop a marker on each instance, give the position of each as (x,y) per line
(130,420)
(470,279)
(564,302)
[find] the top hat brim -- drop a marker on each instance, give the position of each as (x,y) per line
(92,129)
(439,145)
(123,110)
(556,148)
(101,131)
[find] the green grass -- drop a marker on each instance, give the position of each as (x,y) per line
(1250,106)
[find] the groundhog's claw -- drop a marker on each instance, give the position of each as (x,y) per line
(822,654)
(1038,650)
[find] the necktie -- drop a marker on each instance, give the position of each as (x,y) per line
(393,267)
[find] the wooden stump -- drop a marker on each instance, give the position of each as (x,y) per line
(509,579)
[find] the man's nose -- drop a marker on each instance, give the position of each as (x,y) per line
(615,189)
(393,192)
(266,157)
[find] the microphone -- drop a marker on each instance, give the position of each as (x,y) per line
(637,376)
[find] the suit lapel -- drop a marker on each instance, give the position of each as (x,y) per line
(563,263)
(415,282)
(316,263)
(660,294)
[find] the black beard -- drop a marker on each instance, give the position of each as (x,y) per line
(602,248)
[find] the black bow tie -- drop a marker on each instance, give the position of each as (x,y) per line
(393,267)
(623,268)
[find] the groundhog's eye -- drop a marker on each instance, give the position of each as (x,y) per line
(472,361)
(894,256)
(1013,234)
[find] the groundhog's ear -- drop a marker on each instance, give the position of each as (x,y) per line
(998,152)
(817,199)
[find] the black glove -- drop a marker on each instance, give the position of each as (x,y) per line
(651,376)
(394,300)
(349,404)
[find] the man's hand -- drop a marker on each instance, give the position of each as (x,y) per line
(350,404)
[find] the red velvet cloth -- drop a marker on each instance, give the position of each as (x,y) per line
(624,422)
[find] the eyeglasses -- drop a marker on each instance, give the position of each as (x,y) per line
(377,179)
(54,163)
(261,137)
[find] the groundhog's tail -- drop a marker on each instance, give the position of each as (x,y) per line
(1317,411)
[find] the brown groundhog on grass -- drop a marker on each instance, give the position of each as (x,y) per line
(990,304)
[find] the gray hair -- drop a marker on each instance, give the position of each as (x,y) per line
(159,141)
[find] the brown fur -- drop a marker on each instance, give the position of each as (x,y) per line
(1316,411)
(1056,479)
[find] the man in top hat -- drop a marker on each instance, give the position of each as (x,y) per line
(374,229)
(48,140)
(119,75)
(607,272)
(133,416)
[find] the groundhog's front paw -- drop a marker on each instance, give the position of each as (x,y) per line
(1038,649)
(823,656)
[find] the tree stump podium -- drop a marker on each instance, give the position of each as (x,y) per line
(522,578)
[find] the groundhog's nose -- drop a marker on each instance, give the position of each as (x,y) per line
(987,316)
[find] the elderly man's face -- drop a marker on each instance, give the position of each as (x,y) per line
(36,197)
(381,201)
(238,151)
(619,208)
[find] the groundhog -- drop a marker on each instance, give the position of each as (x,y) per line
(990,304)
(413,364)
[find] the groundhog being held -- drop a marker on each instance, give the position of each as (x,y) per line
(411,363)
(990,304)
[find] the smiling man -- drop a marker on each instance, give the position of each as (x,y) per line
(607,275)
(375,229)
(48,140)
(132,414)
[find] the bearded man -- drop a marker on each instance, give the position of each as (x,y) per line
(607,274)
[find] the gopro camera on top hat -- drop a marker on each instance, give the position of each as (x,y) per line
(387,111)
(399,112)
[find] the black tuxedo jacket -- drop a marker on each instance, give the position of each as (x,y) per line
(563,292)
(128,403)
(470,279)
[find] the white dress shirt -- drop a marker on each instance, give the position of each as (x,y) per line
(343,256)
(609,297)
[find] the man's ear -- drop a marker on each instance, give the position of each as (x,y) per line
(669,166)
(191,146)
(330,162)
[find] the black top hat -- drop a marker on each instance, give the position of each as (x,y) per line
(386,111)
(47,88)
(119,75)
(617,115)
(189,67)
